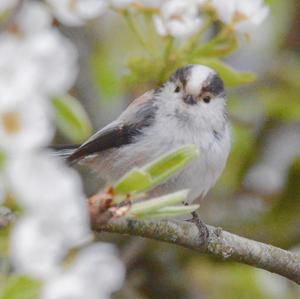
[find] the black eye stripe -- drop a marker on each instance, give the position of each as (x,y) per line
(182,75)
(215,85)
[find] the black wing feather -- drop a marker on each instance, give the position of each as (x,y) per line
(110,138)
(136,117)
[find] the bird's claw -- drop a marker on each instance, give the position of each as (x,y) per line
(202,228)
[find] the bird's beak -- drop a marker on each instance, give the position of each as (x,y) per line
(189,99)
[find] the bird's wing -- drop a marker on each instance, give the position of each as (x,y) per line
(138,115)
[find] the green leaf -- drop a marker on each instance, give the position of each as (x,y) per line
(71,118)
(2,159)
(169,164)
(20,287)
(288,70)
(156,172)
(142,70)
(230,76)
(134,181)
(277,108)
(170,212)
(221,49)
(152,205)
(107,82)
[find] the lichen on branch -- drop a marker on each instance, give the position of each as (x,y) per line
(221,244)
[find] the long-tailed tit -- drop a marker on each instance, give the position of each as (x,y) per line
(190,108)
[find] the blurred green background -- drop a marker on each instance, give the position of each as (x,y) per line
(258,195)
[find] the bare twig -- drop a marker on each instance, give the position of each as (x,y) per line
(222,244)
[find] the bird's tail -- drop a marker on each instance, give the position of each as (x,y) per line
(63,151)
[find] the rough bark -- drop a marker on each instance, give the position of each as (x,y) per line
(220,243)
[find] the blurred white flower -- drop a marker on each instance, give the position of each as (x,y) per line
(35,248)
(244,15)
(56,182)
(55,59)
(27,126)
(151,3)
(44,63)
(18,75)
(57,219)
(52,191)
(200,2)
(121,3)
(68,285)
(177,18)
(95,274)
(33,11)
(77,12)
(99,262)
(45,240)
(37,63)
(7,4)
(72,221)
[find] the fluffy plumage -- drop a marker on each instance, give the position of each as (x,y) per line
(188,109)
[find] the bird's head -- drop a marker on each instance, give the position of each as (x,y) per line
(197,84)
(196,93)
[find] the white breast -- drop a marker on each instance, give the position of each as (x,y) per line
(176,124)
(199,176)
(202,173)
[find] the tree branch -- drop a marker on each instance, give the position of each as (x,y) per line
(220,243)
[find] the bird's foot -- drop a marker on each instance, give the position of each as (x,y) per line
(202,228)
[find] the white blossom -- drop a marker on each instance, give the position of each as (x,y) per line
(151,3)
(95,274)
(45,240)
(244,15)
(56,62)
(58,218)
(7,4)
(121,3)
(36,64)
(177,18)
(33,11)
(26,126)
(44,63)
(44,48)
(18,75)
(35,248)
(53,192)
(77,12)
(56,183)
(127,3)
(201,2)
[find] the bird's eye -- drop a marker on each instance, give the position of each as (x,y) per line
(207,99)
(177,89)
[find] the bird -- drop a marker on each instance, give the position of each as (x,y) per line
(190,108)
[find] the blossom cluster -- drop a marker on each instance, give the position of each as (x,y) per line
(37,63)
(171,17)
(183,18)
